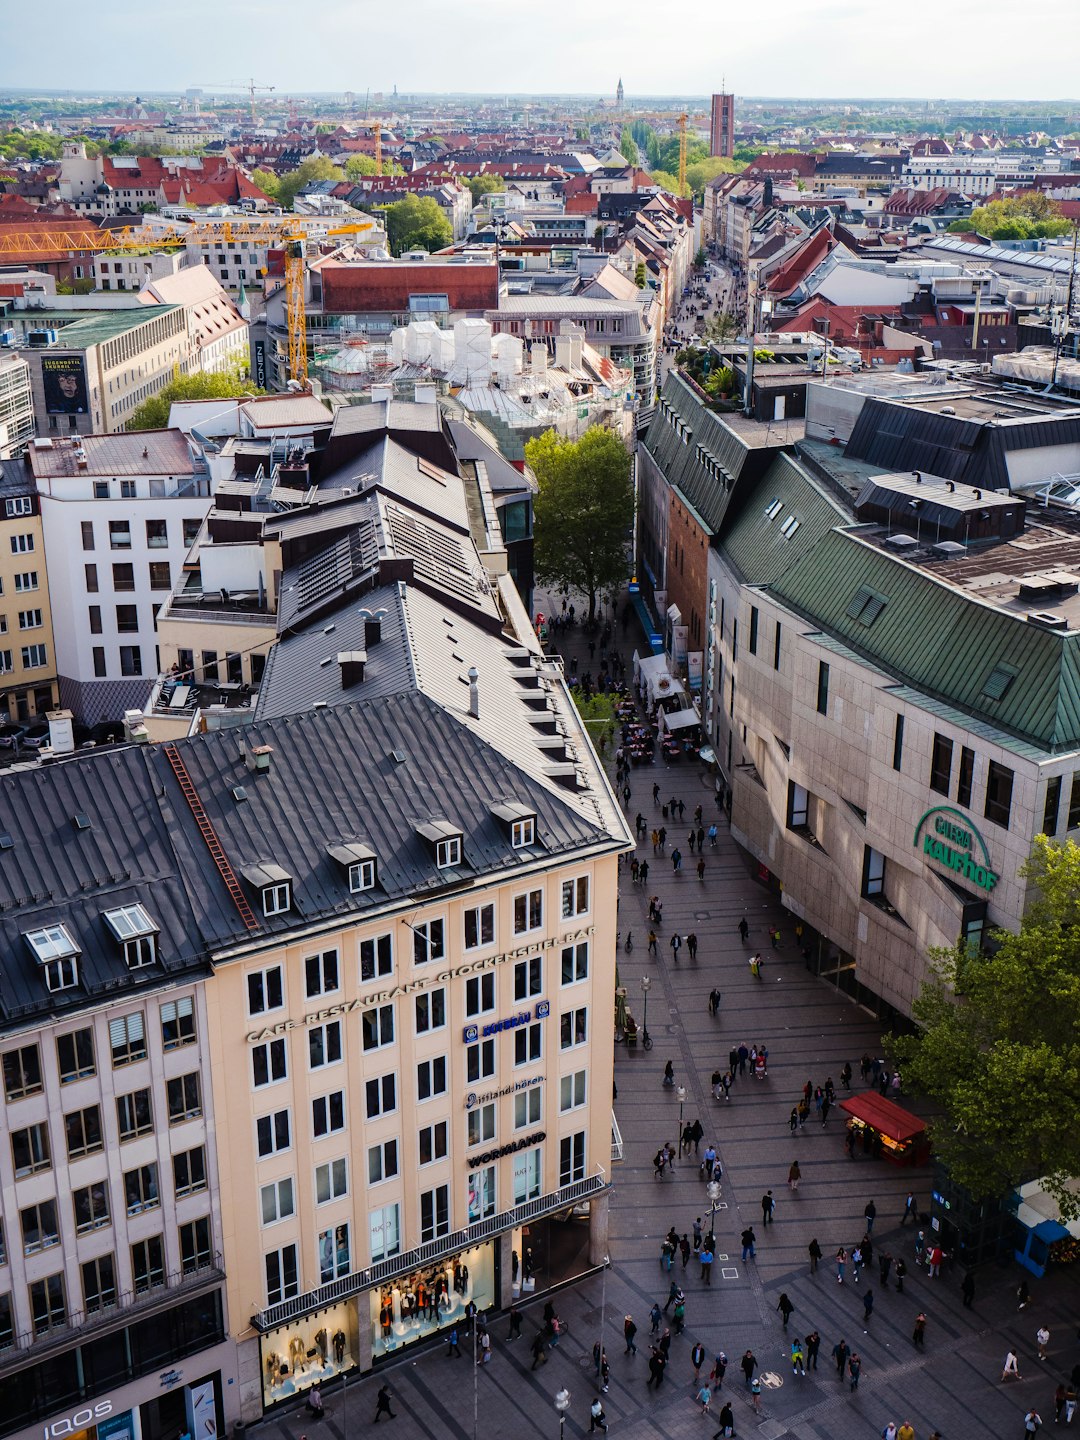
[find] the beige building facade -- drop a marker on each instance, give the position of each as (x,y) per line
(27,651)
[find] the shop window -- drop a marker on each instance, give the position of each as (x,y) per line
(573,1028)
(134,1115)
(377,1026)
(434,1213)
(273,1133)
(282,1275)
(75,1056)
(479,927)
(376,957)
(22,1073)
(178,1023)
(328,1114)
(430,1011)
(30,1150)
(479,995)
(572,1158)
(528,977)
(331,1181)
(269,1063)
(148,1264)
(575,962)
(481,1193)
(528,912)
(572,1091)
(480,1061)
(480,1124)
(528,1107)
(189,1171)
(528,1182)
(999,788)
(91,1206)
(40,1229)
(82,1129)
(575,897)
(184,1098)
(380,1096)
(429,941)
(965,775)
(196,1251)
(48,1307)
(321,975)
(324,1045)
(822,688)
(141,1189)
(898,744)
(382,1162)
(277,1201)
(528,1043)
(431,1078)
(384,1231)
(941,765)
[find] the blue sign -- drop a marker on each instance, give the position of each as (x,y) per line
(633,588)
(471,1034)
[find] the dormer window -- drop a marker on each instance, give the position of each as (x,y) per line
(276,899)
(445,841)
(520,823)
(360,864)
(523,832)
(362,876)
(135,930)
(274,886)
(448,852)
(57,954)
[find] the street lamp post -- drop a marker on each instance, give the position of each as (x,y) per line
(562,1404)
(680,1094)
(712,1190)
(646,986)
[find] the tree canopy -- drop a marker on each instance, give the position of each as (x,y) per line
(416,223)
(153,414)
(584,510)
(357,166)
(1018,217)
(485,185)
(628,145)
(999,1044)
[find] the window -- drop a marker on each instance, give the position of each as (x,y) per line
(448,853)
(528,1043)
(528,977)
(87,527)
(382,1161)
(36,657)
(276,899)
(1052,805)
(328,1114)
(48,1309)
(573,1028)
(941,765)
(873,878)
(268,1063)
(898,744)
(384,1231)
(321,975)
(480,1060)
(148,1264)
(26,580)
(331,1181)
(39,1227)
(265,991)
(479,927)
(866,605)
(22,1073)
(434,1142)
(127,1039)
(119,535)
(528,911)
(282,1275)
(19,505)
(333,1253)
(479,994)
(575,897)
(277,1201)
(481,1193)
(183,1098)
(381,1095)
(523,832)
(999,787)
(195,1249)
(776,648)
(572,1158)
(178,1023)
(430,1011)
(575,962)
(29,619)
(790,525)
(434,1213)
(91,1205)
(191,531)
(134,1114)
(751,643)
(141,1189)
(431,1078)
(527,1172)
(7,1323)
(324,1045)
(160,575)
(157,535)
(377,1026)
(100,667)
(210,666)
(773,508)
(528,1107)
(998,682)
(101,489)
(82,1130)
(189,1171)
(22,544)
(572,1091)
(123,577)
(964,778)
(273,1133)
(127,619)
(429,941)
(131,660)
(798,807)
(481,1124)
(822,688)
(376,957)
(1073,819)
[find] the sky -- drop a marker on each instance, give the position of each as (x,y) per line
(961,49)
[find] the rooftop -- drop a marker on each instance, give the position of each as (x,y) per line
(141,452)
(108,324)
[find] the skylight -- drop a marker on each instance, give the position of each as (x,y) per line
(130,921)
(51,942)
(773,508)
(789,526)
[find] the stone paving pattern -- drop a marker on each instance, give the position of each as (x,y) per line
(810,1030)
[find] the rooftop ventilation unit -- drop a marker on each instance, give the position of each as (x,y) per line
(948,549)
(1047,619)
(902,544)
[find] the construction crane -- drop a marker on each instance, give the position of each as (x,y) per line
(682,152)
(249,85)
(288,233)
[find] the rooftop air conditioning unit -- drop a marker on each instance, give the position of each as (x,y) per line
(1047,619)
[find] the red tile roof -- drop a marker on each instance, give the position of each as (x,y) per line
(374,286)
(796,268)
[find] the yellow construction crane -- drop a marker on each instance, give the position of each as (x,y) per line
(289,233)
(682,152)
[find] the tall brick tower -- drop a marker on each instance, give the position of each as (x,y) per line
(722,126)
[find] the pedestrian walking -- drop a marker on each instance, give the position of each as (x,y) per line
(665,1345)
(841,1261)
(679,1314)
(911,1209)
(768,1205)
(453,1347)
(748,1364)
(597,1419)
(840,1355)
(854,1366)
(656,794)
(697,1234)
(655,1315)
(785,1307)
(684,1250)
(794,1174)
(712,832)
(748,1240)
(856,1263)
(704,1396)
(871,1215)
(676,860)
(382,1405)
(691,945)
(744,928)
(701,869)
(676,945)
(1032,1422)
(906,1431)
(813,1345)
(1011,1369)
(815,1255)
(697,1358)
(1042,1340)
(714,995)
(918,1335)
(884,1266)
(691,840)
(889,1433)
(629,1331)
(669,1075)
(901,1271)
(798,1366)
(719,1370)
(755,966)
(706,1259)
(662,837)
(967,1289)
(868,1305)
(793,1120)
(515,1321)
(826,1106)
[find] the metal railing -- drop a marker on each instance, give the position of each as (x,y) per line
(616,1139)
(287,1311)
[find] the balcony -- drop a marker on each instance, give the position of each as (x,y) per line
(230,607)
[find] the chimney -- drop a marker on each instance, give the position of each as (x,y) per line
(351,664)
(61,732)
(474,693)
(562,351)
(257,758)
(538,358)
(373,632)
(425,393)
(379,393)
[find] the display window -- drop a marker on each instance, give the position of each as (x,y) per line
(430,1298)
(308,1352)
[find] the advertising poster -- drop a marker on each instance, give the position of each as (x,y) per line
(64,381)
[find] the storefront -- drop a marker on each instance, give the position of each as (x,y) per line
(431,1298)
(886,1130)
(310,1351)
(176,1409)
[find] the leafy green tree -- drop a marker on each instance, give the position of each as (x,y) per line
(669,182)
(357,166)
(267,181)
(597,713)
(584,510)
(640,275)
(308,171)
(416,223)
(485,185)
(998,1045)
(722,327)
(700,172)
(153,414)
(628,146)
(700,258)
(641,132)
(1019,217)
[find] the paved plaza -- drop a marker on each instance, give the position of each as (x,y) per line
(810,1030)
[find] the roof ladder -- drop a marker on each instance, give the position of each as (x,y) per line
(206,830)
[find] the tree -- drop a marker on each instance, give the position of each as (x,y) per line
(700,172)
(416,223)
(584,510)
(1018,217)
(358,166)
(669,182)
(153,414)
(640,275)
(306,173)
(998,1046)
(267,181)
(701,258)
(485,185)
(722,327)
(628,146)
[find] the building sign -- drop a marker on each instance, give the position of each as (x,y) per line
(259,346)
(63,378)
(409,987)
(80,1420)
(515,1145)
(472,1033)
(472,1100)
(949,837)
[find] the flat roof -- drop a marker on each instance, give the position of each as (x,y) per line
(107,325)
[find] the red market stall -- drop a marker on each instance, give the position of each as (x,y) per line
(887,1129)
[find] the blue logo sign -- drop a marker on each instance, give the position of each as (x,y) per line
(543,1009)
(472,1034)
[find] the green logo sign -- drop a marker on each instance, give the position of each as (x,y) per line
(952,844)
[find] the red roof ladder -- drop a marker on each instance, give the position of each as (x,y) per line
(206,830)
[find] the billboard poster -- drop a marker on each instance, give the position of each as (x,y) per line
(64,380)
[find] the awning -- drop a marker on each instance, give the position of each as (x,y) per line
(881,1114)
(658,682)
(681,719)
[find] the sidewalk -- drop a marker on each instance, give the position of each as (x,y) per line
(810,1030)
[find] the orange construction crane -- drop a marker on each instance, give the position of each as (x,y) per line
(289,233)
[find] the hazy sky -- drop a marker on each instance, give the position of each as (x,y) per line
(982,49)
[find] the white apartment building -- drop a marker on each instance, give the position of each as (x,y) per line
(119,513)
(16,406)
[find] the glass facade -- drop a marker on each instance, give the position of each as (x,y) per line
(310,1351)
(431,1298)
